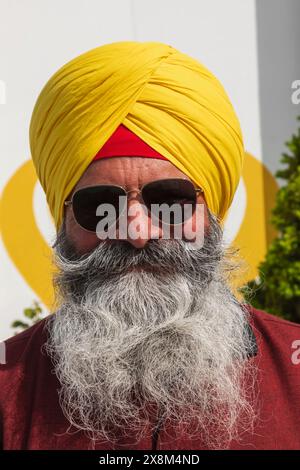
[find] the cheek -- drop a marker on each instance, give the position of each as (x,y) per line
(199,221)
(82,240)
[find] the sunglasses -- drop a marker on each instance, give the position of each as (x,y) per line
(85,201)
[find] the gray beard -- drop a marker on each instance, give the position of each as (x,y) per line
(155,326)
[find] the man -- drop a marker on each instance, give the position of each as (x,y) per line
(148,347)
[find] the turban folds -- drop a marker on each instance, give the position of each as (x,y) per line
(168,99)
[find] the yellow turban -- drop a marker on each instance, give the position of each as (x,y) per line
(170,100)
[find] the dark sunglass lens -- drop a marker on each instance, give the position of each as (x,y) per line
(177,197)
(87,201)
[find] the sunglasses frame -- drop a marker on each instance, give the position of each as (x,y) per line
(69,202)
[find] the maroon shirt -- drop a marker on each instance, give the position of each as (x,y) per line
(31,417)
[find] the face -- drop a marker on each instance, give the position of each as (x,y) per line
(130,173)
(159,325)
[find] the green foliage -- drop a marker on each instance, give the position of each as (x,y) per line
(32,315)
(277,289)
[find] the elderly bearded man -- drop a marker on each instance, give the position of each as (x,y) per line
(148,348)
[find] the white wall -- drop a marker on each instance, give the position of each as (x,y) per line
(278,32)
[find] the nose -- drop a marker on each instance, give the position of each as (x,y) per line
(140,226)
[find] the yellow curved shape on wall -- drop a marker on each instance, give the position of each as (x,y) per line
(256,232)
(32,256)
(21,236)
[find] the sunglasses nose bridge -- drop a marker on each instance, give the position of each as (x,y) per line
(134,195)
(133,191)
(129,199)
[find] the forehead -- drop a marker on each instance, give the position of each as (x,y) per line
(128,171)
